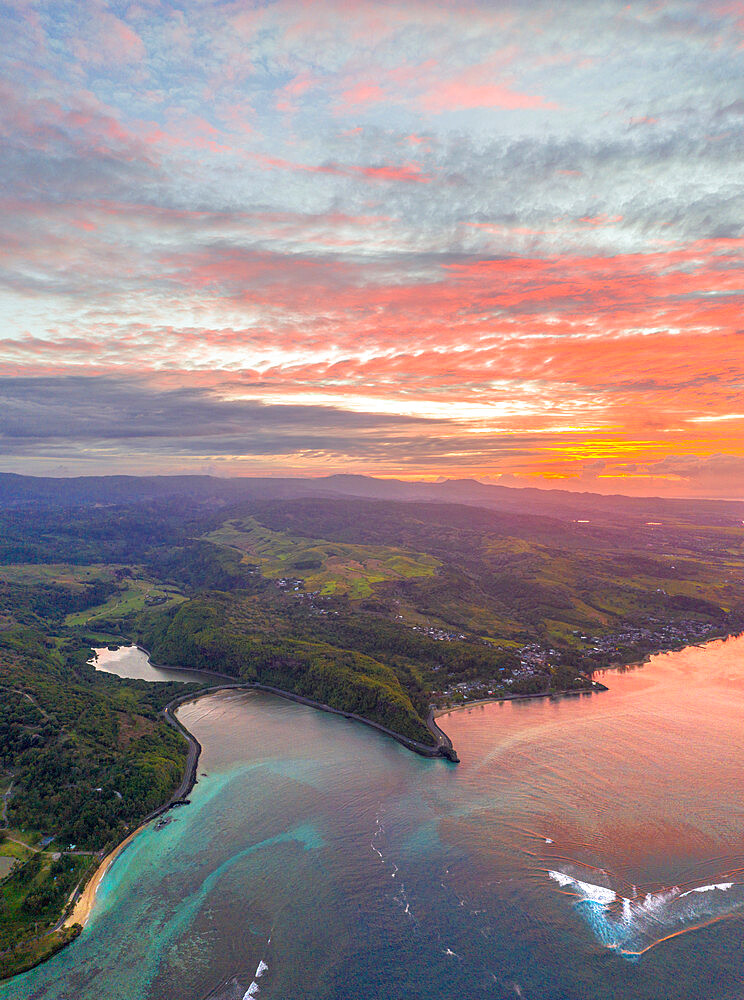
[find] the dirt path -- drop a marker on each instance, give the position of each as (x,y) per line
(4,817)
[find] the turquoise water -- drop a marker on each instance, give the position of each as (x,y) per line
(590,847)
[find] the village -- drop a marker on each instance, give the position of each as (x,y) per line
(535,674)
(540,669)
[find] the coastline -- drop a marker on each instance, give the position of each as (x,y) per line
(84,903)
(596,688)
(442,748)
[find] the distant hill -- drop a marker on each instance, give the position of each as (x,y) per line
(212,492)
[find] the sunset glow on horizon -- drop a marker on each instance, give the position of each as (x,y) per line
(487,240)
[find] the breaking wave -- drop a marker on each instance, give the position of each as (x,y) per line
(632,924)
(232,989)
(253,989)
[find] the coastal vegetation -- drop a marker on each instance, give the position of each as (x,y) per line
(82,759)
(375,607)
(203,634)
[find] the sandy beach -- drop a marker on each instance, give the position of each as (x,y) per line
(84,904)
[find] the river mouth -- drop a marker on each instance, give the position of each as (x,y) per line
(583,847)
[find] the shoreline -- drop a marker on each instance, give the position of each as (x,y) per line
(596,688)
(83,904)
(442,748)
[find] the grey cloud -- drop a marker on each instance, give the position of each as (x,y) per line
(86,408)
(77,417)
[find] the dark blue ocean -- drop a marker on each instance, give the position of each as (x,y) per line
(589,847)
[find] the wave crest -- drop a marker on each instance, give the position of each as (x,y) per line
(633,924)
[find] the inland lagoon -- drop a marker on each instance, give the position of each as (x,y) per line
(134,663)
(585,847)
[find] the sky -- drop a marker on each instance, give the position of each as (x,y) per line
(439,239)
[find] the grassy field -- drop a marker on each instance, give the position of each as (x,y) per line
(133,596)
(12,849)
(20,837)
(522,579)
(135,589)
(328,567)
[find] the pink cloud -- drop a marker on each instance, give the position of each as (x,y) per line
(300,84)
(733,9)
(360,94)
(430,85)
(459,94)
(481,84)
(406,172)
(108,41)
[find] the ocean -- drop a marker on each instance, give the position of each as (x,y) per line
(585,847)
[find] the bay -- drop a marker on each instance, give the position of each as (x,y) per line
(585,847)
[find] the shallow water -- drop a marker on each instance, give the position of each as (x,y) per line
(134,663)
(589,847)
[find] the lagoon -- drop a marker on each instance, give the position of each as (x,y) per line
(586,847)
(133,663)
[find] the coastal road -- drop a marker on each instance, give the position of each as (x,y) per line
(444,743)
(192,757)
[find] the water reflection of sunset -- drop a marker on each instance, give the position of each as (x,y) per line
(628,799)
